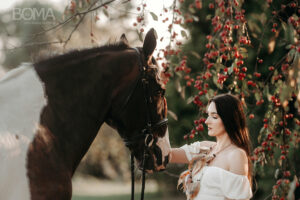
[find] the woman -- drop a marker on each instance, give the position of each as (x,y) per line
(218,170)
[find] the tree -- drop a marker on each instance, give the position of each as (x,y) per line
(250,49)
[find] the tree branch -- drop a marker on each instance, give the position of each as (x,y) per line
(61,24)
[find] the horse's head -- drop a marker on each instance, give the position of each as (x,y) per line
(139,110)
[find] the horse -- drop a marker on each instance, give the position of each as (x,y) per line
(51,111)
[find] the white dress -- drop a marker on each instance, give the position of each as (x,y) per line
(217,183)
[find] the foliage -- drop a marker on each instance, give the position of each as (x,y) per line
(250,49)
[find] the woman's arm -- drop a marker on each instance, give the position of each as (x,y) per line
(177,155)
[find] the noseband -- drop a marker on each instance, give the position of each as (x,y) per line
(148,129)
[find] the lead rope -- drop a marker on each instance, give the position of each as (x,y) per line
(132,176)
(143,176)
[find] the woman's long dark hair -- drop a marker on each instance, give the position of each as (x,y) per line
(231,111)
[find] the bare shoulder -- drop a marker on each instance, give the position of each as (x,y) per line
(207,143)
(238,161)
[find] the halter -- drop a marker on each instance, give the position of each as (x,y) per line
(147,130)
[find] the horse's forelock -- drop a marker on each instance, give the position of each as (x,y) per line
(158,71)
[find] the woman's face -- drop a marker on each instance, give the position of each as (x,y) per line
(214,122)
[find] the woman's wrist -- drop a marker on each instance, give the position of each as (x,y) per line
(170,156)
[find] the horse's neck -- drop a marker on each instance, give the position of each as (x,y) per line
(76,109)
(79,99)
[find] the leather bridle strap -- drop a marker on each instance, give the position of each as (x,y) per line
(148,131)
(145,132)
(132,176)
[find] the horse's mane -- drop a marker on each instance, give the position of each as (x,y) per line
(79,54)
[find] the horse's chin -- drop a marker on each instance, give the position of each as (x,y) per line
(152,169)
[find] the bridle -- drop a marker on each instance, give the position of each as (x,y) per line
(147,131)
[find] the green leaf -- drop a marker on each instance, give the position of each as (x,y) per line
(285,93)
(230,70)
(208,17)
(267,92)
(105,12)
(140,36)
(192,10)
(190,100)
(173,115)
(178,86)
(183,34)
(284,26)
(154,16)
(257,96)
(182,93)
(291,55)
(194,53)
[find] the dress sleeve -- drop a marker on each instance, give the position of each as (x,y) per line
(235,186)
(191,150)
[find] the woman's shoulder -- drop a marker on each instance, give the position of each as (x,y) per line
(237,152)
(238,165)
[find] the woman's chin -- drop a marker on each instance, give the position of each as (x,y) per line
(210,133)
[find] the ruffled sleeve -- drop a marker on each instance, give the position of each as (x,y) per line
(235,186)
(191,150)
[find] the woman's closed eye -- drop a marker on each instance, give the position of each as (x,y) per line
(213,116)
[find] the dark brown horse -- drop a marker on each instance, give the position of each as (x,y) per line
(51,111)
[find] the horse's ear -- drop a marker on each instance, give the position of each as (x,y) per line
(124,39)
(149,43)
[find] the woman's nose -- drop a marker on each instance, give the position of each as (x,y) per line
(206,121)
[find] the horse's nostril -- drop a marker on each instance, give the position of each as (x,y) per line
(149,171)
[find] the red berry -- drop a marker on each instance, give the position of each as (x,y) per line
(257,74)
(200,127)
(251,116)
(281,123)
(282,157)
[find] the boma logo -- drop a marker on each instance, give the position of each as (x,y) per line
(30,14)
